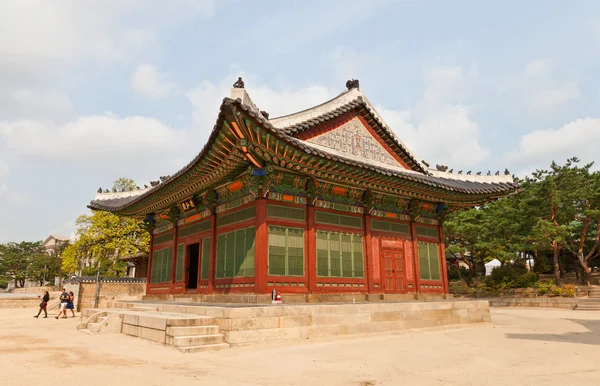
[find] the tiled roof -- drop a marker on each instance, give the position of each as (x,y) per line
(464,184)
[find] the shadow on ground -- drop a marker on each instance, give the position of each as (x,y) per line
(590,337)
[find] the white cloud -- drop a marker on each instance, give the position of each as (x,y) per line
(541,90)
(103,138)
(578,138)
(4,169)
(439,129)
(147,80)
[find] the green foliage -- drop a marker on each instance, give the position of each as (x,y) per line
(3,283)
(511,277)
(123,184)
(102,238)
(19,260)
(457,273)
(558,210)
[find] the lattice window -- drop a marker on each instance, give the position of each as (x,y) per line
(286,212)
(193,229)
(164,238)
(429,261)
(235,253)
(161,265)
(389,226)
(338,219)
(286,251)
(427,232)
(180,261)
(204,275)
(240,215)
(339,255)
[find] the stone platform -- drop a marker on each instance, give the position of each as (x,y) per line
(246,324)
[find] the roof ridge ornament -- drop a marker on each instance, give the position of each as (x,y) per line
(352,83)
(239,83)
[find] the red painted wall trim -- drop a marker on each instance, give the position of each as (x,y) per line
(261,246)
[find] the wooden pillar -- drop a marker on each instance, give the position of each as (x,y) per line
(415,256)
(174,258)
(150,256)
(212,253)
(368,252)
(262,247)
(311,252)
(442,251)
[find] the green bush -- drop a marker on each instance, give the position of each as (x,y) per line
(3,283)
(568,291)
(544,286)
(457,273)
(511,277)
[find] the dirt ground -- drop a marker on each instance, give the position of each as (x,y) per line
(521,347)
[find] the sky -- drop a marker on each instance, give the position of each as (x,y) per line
(93,90)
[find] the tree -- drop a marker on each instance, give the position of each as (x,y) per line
(123,184)
(102,238)
(570,208)
(18,257)
(43,266)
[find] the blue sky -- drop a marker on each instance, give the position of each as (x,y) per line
(94,90)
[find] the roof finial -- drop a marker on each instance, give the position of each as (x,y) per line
(239,83)
(352,83)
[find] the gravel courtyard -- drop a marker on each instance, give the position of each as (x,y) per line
(521,347)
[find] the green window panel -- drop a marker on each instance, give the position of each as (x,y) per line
(180,261)
(161,265)
(204,275)
(235,254)
(286,212)
(339,255)
(193,229)
(429,261)
(286,251)
(427,232)
(240,215)
(164,238)
(338,219)
(389,226)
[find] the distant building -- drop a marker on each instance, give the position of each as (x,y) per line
(53,243)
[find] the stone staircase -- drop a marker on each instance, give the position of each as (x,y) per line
(188,333)
(594,292)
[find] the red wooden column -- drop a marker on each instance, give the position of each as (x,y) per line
(311,251)
(262,247)
(442,251)
(174,258)
(150,256)
(415,256)
(212,259)
(368,249)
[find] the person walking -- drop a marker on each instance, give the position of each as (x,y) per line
(64,300)
(44,305)
(71,304)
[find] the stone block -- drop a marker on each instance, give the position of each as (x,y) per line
(295,321)
(412,315)
(153,335)
(240,312)
(319,320)
(437,314)
(280,334)
(241,336)
(152,322)
(424,323)
(253,323)
(131,319)
(130,330)
(387,316)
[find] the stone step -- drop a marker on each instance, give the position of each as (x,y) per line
(197,321)
(192,330)
(588,307)
(144,309)
(197,340)
(85,331)
(206,347)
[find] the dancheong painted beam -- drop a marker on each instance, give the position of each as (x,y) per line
(324,201)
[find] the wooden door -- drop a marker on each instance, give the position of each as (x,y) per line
(393,270)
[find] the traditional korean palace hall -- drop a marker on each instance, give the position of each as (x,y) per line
(323,201)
